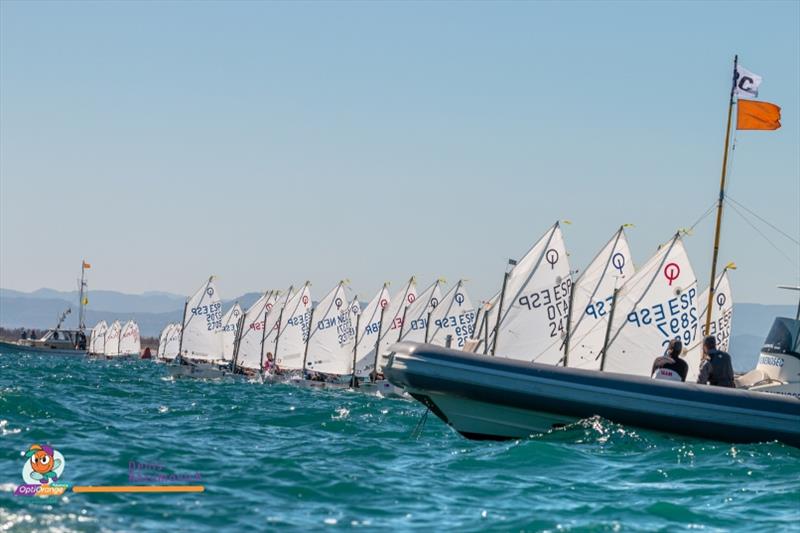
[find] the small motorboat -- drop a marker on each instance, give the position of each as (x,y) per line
(55,341)
(485,397)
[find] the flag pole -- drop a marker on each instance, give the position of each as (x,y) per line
(720,201)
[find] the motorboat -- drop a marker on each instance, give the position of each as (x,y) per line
(495,398)
(55,341)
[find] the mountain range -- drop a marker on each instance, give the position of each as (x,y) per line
(40,309)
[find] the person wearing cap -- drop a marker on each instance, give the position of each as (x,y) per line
(670,366)
(716,367)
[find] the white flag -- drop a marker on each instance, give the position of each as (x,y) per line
(746,83)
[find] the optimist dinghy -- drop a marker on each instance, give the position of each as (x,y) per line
(501,398)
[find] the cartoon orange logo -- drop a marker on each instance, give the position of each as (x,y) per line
(44,465)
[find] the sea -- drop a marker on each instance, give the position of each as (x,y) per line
(276,457)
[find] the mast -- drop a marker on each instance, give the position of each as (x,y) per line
(428,325)
(237,340)
(183,326)
(608,329)
(720,201)
(499,311)
(569,322)
(354,381)
(308,338)
(403,323)
(378,345)
(81,325)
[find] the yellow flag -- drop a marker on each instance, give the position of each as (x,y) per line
(85,301)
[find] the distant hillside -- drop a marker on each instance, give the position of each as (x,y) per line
(151,302)
(40,309)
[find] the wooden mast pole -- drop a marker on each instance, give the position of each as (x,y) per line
(720,201)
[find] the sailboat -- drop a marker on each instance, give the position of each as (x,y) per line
(113,334)
(130,341)
(451,323)
(390,325)
(293,326)
(248,358)
(329,345)
(416,314)
(230,325)
(531,314)
(658,303)
(721,321)
(200,345)
(97,338)
(592,298)
(369,327)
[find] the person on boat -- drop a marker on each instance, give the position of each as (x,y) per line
(33,335)
(716,367)
(670,365)
(24,335)
(270,366)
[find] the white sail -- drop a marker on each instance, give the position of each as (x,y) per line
(416,314)
(290,342)
(97,339)
(591,303)
(272,325)
(111,348)
(721,320)
(173,342)
(330,343)
(130,342)
(533,317)
(248,354)
(454,317)
(368,328)
(202,324)
(393,319)
(162,341)
(655,305)
(230,324)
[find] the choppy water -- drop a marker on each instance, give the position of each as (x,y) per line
(281,457)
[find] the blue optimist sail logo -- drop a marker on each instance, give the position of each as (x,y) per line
(42,471)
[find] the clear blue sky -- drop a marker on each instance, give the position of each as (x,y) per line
(270,143)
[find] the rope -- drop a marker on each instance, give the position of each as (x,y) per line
(773,226)
(420,425)
(704,215)
(777,248)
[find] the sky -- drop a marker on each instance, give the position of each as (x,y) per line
(271,143)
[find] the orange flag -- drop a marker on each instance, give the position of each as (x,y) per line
(751,115)
(86,265)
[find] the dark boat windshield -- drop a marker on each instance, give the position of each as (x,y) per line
(783,338)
